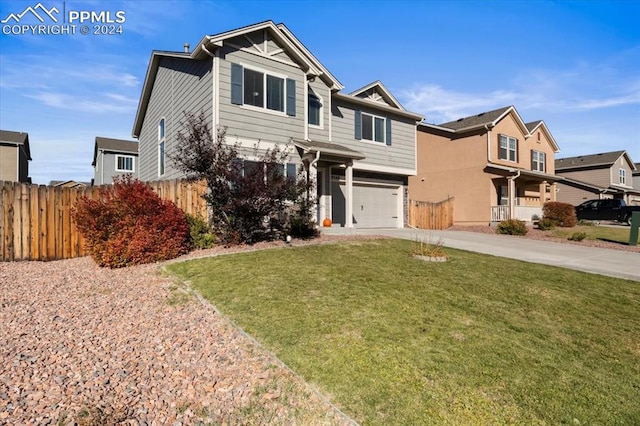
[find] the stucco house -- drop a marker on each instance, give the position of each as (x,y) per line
(113,157)
(596,176)
(266,87)
(15,155)
(494,164)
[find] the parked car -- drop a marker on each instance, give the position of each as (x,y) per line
(607,209)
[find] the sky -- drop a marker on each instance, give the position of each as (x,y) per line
(573,64)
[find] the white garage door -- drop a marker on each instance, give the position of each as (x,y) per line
(373,206)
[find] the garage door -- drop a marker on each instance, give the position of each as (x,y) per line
(373,206)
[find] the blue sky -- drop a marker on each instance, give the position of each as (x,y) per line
(573,64)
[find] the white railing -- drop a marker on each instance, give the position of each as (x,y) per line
(525,213)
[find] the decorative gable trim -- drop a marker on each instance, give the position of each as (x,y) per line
(384,94)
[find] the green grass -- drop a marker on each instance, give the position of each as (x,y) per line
(476,340)
(605,233)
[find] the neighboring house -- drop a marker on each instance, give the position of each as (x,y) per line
(69,184)
(263,85)
(14,156)
(113,157)
(604,175)
(494,164)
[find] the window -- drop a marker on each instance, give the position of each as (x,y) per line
(622,176)
(124,163)
(508,148)
(161,147)
(372,128)
(262,90)
(315,109)
(538,160)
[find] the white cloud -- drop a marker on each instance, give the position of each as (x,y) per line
(99,103)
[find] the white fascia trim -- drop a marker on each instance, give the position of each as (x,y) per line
(383,169)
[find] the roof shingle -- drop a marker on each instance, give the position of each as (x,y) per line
(604,159)
(475,120)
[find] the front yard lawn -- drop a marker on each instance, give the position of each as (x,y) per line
(476,340)
(603,233)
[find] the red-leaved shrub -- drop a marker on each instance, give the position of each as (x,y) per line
(129,225)
(562,214)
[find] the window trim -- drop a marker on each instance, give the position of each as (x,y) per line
(373,128)
(162,147)
(622,176)
(543,162)
(321,112)
(264,108)
(133,163)
(508,149)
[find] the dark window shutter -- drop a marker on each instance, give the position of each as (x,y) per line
(388,135)
(358,124)
(291,97)
(532,161)
(236,84)
(291,170)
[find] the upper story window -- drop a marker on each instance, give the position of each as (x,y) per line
(508,148)
(161,147)
(538,161)
(622,176)
(124,163)
(314,103)
(373,128)
(261,89)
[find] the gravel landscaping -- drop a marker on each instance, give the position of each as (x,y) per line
(86,345)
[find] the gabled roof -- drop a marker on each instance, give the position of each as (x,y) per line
(211,43)
(637,170)
(16,138)
(490,119)
(326,75)
(379,106)
(377,88)
(328,148)
(478,120)
(114,145)
(604,159)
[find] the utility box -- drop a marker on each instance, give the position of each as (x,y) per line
(635,224)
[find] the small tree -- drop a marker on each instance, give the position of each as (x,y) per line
(248,199)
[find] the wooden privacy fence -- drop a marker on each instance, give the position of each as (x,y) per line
(36,224)
(426,215)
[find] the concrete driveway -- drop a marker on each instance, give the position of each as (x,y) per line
(613,263)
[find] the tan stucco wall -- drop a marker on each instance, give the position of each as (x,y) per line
(508,126)
(454,168)
(8,163)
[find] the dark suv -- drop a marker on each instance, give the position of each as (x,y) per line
(608,209)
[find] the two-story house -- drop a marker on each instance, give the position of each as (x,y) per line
(493,164)
(265,87)
(15,155)
(113,157)
(596,176)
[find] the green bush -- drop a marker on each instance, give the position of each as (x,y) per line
(577,236)
(512,227)
(562,214)
(200,234)
(584,222)
(546,224)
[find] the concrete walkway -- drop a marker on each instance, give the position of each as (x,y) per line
(613,263)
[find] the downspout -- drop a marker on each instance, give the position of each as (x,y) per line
(214,76)
(488,129)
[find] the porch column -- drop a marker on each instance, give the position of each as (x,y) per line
(327,194)
(511,191)
(313,178)
(348,198)
(553,190)
(543,192)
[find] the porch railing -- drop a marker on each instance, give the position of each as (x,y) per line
(500,213)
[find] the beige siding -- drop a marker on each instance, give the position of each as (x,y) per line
(401,153)
(575,196)
(8,163)
(597,177)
